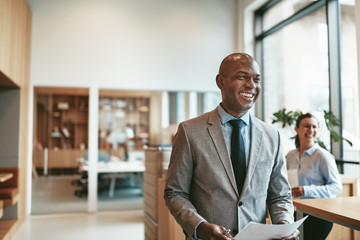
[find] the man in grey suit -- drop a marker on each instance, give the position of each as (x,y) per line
(202,191)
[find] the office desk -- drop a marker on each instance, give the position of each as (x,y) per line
(5,176)
(341,210)
(117,169)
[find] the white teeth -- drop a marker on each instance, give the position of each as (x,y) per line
(249,95)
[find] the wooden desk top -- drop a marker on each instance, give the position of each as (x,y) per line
(341,210)
(5,176)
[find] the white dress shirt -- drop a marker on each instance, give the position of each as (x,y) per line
(317,172)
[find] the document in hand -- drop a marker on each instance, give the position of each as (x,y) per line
(258,231)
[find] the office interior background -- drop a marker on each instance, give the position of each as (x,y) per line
(138,68)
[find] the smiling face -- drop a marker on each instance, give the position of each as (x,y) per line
(239,82)
(307,131)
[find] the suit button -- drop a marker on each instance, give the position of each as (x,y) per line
(240,204)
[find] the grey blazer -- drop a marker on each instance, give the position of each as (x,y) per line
(201,185)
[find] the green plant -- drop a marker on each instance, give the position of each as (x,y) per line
(288,118)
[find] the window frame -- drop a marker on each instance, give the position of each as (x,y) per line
(333,27)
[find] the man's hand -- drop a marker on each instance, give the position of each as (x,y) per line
(297,192)
(294,236)
(209,231)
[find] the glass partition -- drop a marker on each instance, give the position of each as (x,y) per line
(128,122)
(60,148)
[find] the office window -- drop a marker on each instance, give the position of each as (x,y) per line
(283,10)
(295,69)
(177,107)
(309,63)
(293,49)
(208,101)
(186,105)
(349,76)
(294,66)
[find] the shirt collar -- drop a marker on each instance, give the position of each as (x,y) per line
(311,150)
(225,117)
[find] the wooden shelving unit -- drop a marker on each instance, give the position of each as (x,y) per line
(61,126)
(69,125)
(125,113)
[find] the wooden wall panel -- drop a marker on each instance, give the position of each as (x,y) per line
(24,70)
(63,158)
(15,44)
(15,30)
(5,26)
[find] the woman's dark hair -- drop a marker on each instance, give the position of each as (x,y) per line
(298,120)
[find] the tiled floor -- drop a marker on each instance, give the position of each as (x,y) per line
(57,214)
(55,194)
(119,225)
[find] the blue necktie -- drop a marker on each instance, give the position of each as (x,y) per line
(238,153)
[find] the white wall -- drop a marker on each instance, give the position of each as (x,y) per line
(174,45)
(131,44)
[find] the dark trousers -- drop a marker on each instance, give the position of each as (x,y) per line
(316,228)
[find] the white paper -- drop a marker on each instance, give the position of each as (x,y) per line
(259,231)
(293,177)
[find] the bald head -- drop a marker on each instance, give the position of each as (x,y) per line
(229,61)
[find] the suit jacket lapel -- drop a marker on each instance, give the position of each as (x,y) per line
(217,136)
(256,136)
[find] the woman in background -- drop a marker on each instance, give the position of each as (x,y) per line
(317,173)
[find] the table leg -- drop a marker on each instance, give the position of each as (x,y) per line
(112,186)
(299,215)
(140,180)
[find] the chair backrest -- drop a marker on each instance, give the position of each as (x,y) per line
(12,182)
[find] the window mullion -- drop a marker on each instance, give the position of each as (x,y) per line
(334,70)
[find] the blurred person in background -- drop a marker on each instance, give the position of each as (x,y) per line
(318,175)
